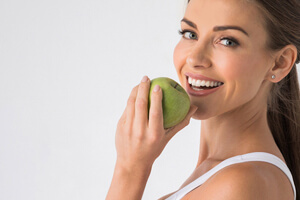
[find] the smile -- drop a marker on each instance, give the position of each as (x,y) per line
(198,85)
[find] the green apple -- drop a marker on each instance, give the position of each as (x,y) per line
(175,102)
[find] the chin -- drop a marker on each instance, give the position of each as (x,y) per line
(201,115)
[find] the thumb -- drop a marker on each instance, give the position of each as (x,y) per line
(170,132)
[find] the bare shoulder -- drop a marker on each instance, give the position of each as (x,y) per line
(251,180)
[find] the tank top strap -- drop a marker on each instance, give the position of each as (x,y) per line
(254,156)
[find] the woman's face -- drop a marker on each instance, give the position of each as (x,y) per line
(223,45)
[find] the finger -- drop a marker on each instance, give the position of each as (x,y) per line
(156,111)
(130,108)
(122,120)
(141,104)
(173,130)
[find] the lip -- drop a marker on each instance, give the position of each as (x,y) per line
(192,92)
(199,77)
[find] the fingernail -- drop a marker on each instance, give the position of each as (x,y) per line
(156,88)
(145,79)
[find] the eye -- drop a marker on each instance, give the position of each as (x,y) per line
(229,42)
(188,34)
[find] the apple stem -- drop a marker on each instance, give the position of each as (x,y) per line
(176,85)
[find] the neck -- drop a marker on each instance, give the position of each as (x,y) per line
(242,131)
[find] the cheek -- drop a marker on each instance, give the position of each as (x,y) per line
(179,58)
(243,76)
(242,68)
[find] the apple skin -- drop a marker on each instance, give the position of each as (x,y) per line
(175,101)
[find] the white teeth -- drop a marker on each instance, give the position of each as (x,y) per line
(190,80)
(194,82)
(197,89)
(207,84)
(203,83)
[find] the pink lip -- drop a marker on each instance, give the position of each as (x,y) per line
(199,77)
(192,92)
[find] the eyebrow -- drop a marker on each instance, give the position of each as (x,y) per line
(216,28)
(223,28)
(189,23)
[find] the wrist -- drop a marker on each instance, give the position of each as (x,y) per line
(128,182)
(135,170)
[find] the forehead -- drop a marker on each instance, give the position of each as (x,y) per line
(224,12)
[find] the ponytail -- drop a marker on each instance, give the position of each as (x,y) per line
(284,122)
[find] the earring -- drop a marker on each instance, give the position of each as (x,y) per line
(273,76)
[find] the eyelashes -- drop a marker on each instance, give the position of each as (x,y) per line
(229,41)
(226,41)
(191,34)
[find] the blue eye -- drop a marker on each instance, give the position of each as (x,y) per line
(229,42)
(188,34)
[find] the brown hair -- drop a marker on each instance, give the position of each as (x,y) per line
(282,20)
(283,25)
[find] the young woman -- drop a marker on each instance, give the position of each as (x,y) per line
(250,123)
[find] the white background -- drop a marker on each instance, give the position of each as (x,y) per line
(66,70)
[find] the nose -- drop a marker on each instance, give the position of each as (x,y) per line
(199,56)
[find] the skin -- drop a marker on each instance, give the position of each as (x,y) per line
(233,119)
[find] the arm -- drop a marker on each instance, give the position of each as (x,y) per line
(139,142)
(127,184)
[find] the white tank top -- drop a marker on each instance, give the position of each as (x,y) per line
(255,156)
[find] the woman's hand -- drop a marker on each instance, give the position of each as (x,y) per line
(139,140)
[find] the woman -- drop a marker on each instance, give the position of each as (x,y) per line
(249,146)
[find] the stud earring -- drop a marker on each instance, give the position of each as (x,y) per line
(273,76)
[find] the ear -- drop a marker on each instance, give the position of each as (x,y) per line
(284,62)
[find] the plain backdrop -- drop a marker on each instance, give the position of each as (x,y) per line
(66,71)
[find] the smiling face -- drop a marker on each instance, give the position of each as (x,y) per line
(223,46)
